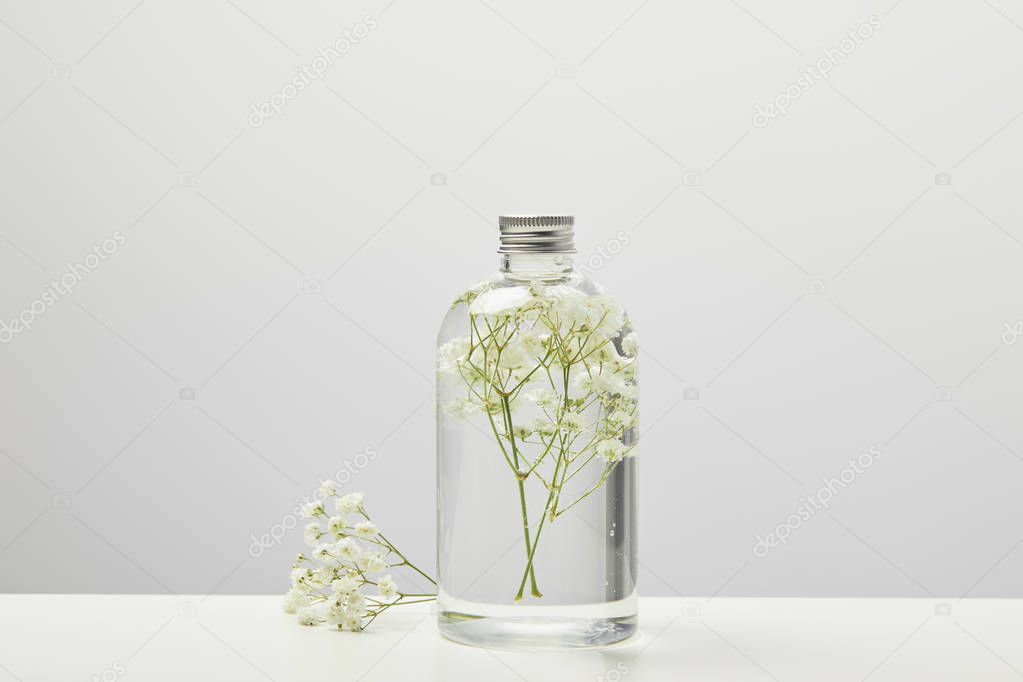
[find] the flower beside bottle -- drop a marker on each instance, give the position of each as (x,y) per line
(340,583)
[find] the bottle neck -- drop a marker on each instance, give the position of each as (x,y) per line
(528,266)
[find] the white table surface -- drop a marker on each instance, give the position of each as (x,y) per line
(154,638)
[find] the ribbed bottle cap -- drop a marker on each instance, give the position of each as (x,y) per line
(537,234)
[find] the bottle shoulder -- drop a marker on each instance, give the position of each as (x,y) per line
(502,291)
(570,281)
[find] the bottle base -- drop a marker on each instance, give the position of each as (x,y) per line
(535,633)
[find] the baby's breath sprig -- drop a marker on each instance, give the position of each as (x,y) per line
(337,582)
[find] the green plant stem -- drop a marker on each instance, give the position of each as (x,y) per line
(405,560)
(534,590)
(536,539)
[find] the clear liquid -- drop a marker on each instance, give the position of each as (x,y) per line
(584,563)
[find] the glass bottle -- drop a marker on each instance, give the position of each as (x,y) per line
(537,433)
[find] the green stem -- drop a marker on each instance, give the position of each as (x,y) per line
(405,560)
(536,540)
(522,497)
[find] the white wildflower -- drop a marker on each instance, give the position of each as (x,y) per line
(568,307)
(387,589)
(312,534)
(513,356)
(543,398)
(322,553)
(605,316)
(308,616)
(372,562)
(322,576)
(345,585)
(336,612)
(572,421)
(350,503)
(302,577)
(544,427)
(365,529)
(313,509)
(611,384)
(356,601)
(353,621)
(463,407)
(502,301)
(522,432)
(294,600)
(625,420)
(328,488)
(524,350)
(348,549)
(336,525)
(451,355)
(611,450)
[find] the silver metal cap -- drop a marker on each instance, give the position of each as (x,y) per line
(537,234)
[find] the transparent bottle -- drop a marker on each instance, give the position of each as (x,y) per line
(537,434)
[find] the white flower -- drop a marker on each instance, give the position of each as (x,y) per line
(336,612)
(372,562)
(543,398)
(544,427)
(328,488)
(345,585)
(336,524)
(568,306)
(451,355)
(322,553)
(293,601)
(514,356)
(625,420)
(350,503)
(356,601)
(463,407)
(312,534)
(522,432)
(365,529)
(502,301)
(612,384)
(572,421)
(353,621)
(605,316)
(630,344)
(308,616)
(611,450)
(348,549)
(313,509)
(299,575)
(322,576)
(387,588)
(524,350)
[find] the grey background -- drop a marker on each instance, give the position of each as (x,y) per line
(815,283)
